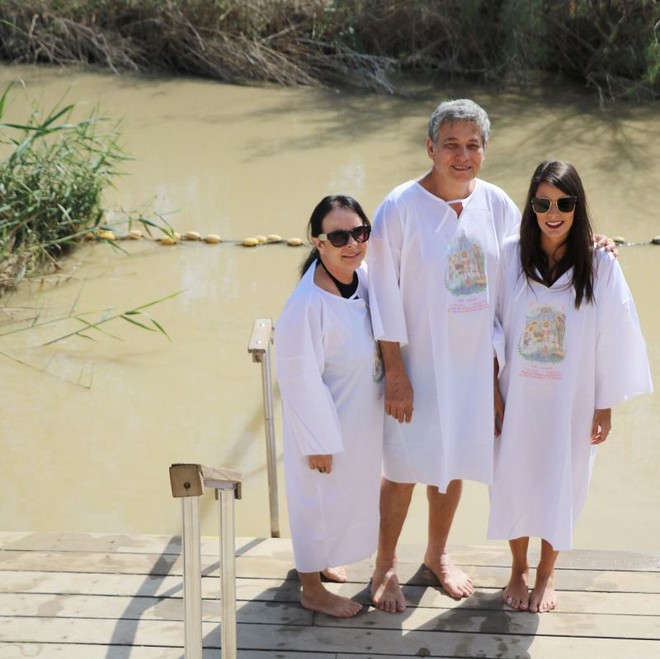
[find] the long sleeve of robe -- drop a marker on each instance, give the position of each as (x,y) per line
(561,364)
(330,379)
(433,283)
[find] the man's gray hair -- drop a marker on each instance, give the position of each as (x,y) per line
(462,109)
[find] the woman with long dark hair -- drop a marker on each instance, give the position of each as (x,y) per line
(329,373)
(572,349)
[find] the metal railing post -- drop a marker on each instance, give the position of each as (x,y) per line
(228,574)
(192,578)
(188,482)
(259,347)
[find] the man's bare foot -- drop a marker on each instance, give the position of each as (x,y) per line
(451,578)
(543,597)
(386,593)
(323,601)
(337,574)
(516,593)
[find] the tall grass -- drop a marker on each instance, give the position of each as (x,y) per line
(610,45)
(51,183)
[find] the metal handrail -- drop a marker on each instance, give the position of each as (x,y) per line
(259,345)
(188,482)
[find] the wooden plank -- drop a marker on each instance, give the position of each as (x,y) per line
(280,548)
(89,651)
(439,643)
(107,584)
(97,631)
(282,590)
(604,649)
(123,543)
(474,621)
(139,586)
(496,554)
(459,618)
(145,608)
(349,642)
(570,601)
(91,542)
(540,649)
(410,575)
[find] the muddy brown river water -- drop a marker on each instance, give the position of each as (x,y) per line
(89,428)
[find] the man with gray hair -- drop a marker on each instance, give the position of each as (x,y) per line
(433,262)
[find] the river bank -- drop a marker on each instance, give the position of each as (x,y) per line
(610,47)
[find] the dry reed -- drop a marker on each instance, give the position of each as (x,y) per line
(610,45)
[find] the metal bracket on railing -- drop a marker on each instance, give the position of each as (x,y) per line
(188,482)
(259,347)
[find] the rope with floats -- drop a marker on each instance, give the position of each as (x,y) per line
(620,240)
(194,236)
(174,238)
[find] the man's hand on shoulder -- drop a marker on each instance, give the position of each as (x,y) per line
(601,241)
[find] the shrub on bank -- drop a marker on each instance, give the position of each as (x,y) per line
(52,175)
(611,45)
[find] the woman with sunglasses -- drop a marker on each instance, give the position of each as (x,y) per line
(572,348)
(330,375)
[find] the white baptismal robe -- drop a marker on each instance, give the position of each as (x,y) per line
(432,290)
(560,364)
(330,378)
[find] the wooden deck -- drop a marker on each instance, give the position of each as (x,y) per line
(89,596)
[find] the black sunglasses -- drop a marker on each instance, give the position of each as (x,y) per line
(341,237)
(543,204)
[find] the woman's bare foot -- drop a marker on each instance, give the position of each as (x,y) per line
(386,593)
(543,597)
(337,574)
(323,601)
(516,593)
(455,582)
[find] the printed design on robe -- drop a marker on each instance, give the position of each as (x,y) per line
(465,276)
(379,369)
(466,268)
(543,339)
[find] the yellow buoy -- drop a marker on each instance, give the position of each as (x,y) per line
(274,238)
(213,238)
(655,240)
(294,242)
(107,235)
(619,240)
(192,235)
(250,242)
(135,234)
(168,240)
(261,239)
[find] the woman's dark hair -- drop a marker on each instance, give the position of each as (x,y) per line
(579,242)
(315,224)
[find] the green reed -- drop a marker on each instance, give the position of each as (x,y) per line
(51,183)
